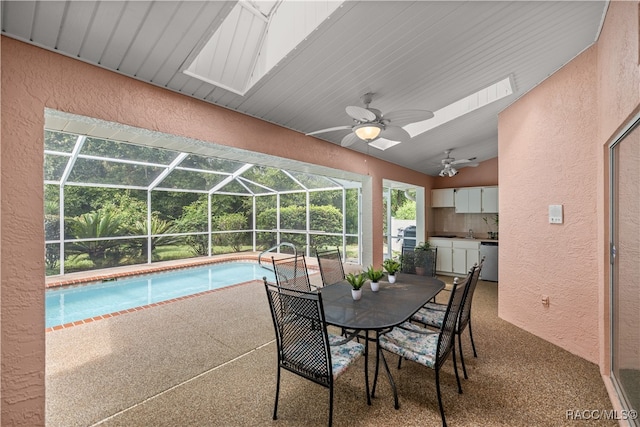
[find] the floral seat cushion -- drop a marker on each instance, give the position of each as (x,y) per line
(435,306)
(428,317)
(343,355)
(412,342)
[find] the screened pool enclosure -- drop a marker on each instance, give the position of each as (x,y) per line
(110,203)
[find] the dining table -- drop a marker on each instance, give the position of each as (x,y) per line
(391,305)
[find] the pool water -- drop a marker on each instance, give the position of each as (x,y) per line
(65,305)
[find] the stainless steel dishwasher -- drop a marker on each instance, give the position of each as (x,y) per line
(489,250)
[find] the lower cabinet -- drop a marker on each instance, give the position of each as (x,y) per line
(444,257)
(456,256)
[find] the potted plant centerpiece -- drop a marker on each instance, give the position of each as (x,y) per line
(392,267)
(375,276)
(423,258)
(356,281)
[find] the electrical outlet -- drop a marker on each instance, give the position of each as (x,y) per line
(545,300)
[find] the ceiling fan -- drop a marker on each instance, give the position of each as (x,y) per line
(449,163)
(370,124)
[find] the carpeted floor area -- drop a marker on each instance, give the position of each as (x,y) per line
(211,361)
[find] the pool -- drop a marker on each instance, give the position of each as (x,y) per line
(70,304)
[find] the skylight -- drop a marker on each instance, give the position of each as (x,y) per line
(254,37)
(481,98)
(383,144)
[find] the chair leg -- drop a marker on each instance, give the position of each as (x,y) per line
(473,345)
(455,367)
(275,405)
(464,368)
(444,422)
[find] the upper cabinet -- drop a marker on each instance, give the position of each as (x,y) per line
(442,198)
(468,200)
(490,200)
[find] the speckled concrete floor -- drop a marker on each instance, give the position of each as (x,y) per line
(211,361)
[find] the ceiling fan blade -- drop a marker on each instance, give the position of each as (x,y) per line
(329,130)
(472,165)
(349,140)
(395,133)
(360,114)
(462,161)
(405,117)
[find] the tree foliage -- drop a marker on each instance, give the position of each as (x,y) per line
(406,210)
(92,225)
(95,212)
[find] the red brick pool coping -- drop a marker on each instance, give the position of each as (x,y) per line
(98,278)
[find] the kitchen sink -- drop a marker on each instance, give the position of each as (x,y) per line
(446,236)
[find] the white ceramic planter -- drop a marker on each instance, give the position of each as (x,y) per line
(375,286)
(391,278)
(356,294)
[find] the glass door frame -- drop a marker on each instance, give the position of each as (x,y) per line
(633,124)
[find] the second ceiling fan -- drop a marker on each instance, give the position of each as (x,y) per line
(449,164)
(371,124)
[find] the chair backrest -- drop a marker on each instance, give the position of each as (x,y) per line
(425,259)
(291,272)
(330,264)
(408,260)
(448,329)
(465,311)
(430,264)
(301,333)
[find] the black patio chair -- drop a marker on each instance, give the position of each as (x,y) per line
(432,315)
(330,264)
(305,348)
(424,346)
(419,261)
(291,272)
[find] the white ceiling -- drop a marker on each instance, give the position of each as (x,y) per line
(411,54)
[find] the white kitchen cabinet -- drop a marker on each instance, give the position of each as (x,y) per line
(444,256)
(465,254)
(490,200)
(459,259)
(468,200)
(442,198)
(456,256)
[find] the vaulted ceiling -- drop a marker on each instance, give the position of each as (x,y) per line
(410,54)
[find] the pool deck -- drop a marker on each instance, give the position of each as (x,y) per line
(93,276)
(211,361)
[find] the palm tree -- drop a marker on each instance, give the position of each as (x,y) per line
(96,224)
(158,226)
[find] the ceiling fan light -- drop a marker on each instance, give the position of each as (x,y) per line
(368,131)
(452,172)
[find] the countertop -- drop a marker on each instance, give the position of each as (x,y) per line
(465,239)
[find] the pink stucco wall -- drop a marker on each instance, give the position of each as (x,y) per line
(548,156)
(619,99)
(553,150)
(34,79)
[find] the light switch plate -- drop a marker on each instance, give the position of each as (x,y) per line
(555,214)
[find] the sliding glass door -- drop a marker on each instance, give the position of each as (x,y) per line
(625,266)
